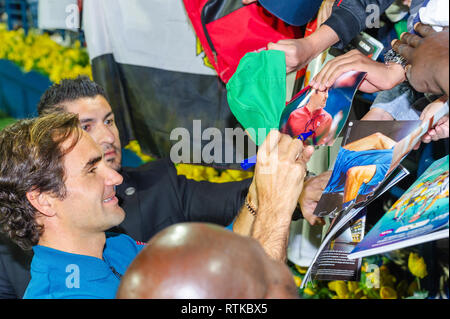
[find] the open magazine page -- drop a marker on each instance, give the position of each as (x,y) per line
(321,115)
(420,214)
(362,164)
(333,262)
(342,221)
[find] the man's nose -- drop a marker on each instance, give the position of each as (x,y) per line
(105,135)
(112,177)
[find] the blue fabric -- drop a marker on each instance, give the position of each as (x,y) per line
(294,12)
(398,102)
(60,275)
(130,159)
(347,159)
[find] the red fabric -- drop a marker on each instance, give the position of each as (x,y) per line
(302,120)
(245,30)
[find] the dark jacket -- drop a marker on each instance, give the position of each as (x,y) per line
(349,17)
(153,197)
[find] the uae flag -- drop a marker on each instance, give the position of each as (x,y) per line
(146,55)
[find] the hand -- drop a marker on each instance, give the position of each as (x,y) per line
(440,130)
(427,57)
(248,1)
(279,174)
(379,75)
(310,196)
(298,52)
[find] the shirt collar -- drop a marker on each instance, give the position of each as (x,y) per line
(52,260)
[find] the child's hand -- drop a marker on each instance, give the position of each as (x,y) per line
(440,130)
(379,75)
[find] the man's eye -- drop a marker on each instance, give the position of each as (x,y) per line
(92,170)
(86,127)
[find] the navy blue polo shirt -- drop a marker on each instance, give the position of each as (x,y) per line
(58,275)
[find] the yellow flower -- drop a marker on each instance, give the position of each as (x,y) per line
(417,265)
(352,286)
(298,281)
(301,270)
(388,293)
(309,291)
(340,287)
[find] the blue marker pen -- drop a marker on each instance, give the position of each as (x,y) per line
(251,161)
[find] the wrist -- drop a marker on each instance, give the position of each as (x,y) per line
(323,38)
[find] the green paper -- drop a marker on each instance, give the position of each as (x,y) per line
(257,92)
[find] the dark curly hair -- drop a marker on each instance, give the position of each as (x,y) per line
(31,159)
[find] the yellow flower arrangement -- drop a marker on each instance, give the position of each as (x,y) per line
(38,52)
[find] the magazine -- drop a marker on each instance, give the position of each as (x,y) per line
(320,115)
(333,263)
(421,214)
(345,220)
(362,164)
(372,146)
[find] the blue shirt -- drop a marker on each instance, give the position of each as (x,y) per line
(57,274)
(347,159)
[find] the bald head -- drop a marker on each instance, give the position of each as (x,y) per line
(199,260)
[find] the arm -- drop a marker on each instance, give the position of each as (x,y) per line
(379,76)
(281,165)
(350,17)
(299,52)
(377,141)
(356,176)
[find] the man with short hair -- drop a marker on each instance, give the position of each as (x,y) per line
(58,197)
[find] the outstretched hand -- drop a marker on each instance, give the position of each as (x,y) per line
(310,196)
(427,56)
(379,76)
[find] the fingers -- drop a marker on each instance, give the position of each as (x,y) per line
(269,145)
(306,154)
(295,149)
(335,68)
(248,1)
(411,39)
(403,49)
(423,29)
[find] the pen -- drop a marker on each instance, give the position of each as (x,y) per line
(251,161)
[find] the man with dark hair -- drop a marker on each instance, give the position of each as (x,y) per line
(200,261)
(58,197)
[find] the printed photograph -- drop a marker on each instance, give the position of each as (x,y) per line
(321,115)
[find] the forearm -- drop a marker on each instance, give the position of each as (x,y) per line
(350,17)
(322,39)
(272,233)
(243,224)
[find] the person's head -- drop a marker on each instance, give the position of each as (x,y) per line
(87,99)
(317,100)
(53,178)
(200,260)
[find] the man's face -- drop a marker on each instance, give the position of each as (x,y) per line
(97,119)
(317,100)
(90,204)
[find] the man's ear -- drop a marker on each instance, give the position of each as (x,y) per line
(41,202)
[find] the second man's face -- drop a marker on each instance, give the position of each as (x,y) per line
(97,119)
